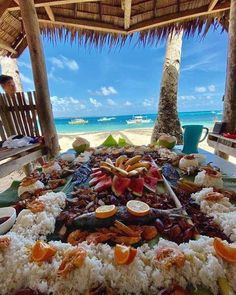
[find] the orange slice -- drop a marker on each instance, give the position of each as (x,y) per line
(137,208)
(226,252)
(124,254)
(132,255)
(121,254)
(105,211)
(41,251)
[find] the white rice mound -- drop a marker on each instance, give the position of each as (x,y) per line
(205,180)
(30,188)
(223,212)
(202,267)
(39,225)
(143,276)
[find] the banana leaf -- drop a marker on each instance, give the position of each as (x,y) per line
(110,141)
(9,196)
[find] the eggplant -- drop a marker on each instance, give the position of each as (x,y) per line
(170,173)
(89,221)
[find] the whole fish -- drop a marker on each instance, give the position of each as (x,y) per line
(89,221)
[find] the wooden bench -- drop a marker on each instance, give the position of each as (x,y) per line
(222,144)
(18,116)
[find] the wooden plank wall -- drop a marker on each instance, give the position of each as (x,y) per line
(18,115)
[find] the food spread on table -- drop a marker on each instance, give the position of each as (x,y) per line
(133,220)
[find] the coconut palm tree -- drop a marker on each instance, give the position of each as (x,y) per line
(168,120)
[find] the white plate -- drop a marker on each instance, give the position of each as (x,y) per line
(4,212)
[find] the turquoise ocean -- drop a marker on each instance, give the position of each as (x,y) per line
(206,118)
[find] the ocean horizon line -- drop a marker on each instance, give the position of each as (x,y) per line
(136,114)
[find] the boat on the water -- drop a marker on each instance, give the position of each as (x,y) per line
(78,122)
(139,120)
(104,119)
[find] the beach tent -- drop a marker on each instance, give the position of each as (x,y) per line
(96,22)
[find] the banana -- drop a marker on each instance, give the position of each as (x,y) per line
(139,165)
(133,160)
(120,160)
(133,173)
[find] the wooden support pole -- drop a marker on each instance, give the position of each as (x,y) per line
(43,103)
(230,91)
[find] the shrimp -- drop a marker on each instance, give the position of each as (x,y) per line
(126,240)
(149,232)
(73,259)
(214,197)
(168,257)
(77,237)
(36,206)
(4,242)
(99,237)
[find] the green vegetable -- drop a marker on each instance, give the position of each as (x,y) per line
(122,142)
(110,141)
(225,288)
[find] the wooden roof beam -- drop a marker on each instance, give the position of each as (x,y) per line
(212,5)
(177,17)
(126,6)
(6,46)
(4,6)
(50,13)
(84,24)
(44,3)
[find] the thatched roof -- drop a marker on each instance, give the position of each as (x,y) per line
(95,22)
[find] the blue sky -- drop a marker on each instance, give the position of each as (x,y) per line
(94,82)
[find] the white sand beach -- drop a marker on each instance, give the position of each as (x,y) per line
(140,136)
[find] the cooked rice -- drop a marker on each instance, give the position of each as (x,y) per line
(222,211)
(143,276)
(205,180)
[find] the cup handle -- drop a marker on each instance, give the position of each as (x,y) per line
(204,137)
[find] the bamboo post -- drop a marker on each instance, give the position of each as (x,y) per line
(31,26)
(230,91)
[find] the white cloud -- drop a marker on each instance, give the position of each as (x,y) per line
(200,89)
(63,62)
(94,102)
(111,102)
(62,106)
(203,64)
(24,64)
(148,102)
(127,103)
(26,79)
(212,88)
(187,97)
(67,101)
(104,91)
(54,77)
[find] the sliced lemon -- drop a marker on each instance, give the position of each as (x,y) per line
(105,211)
(137,208)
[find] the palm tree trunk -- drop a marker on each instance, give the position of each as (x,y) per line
(168,120)
(10,68)
(230,91)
